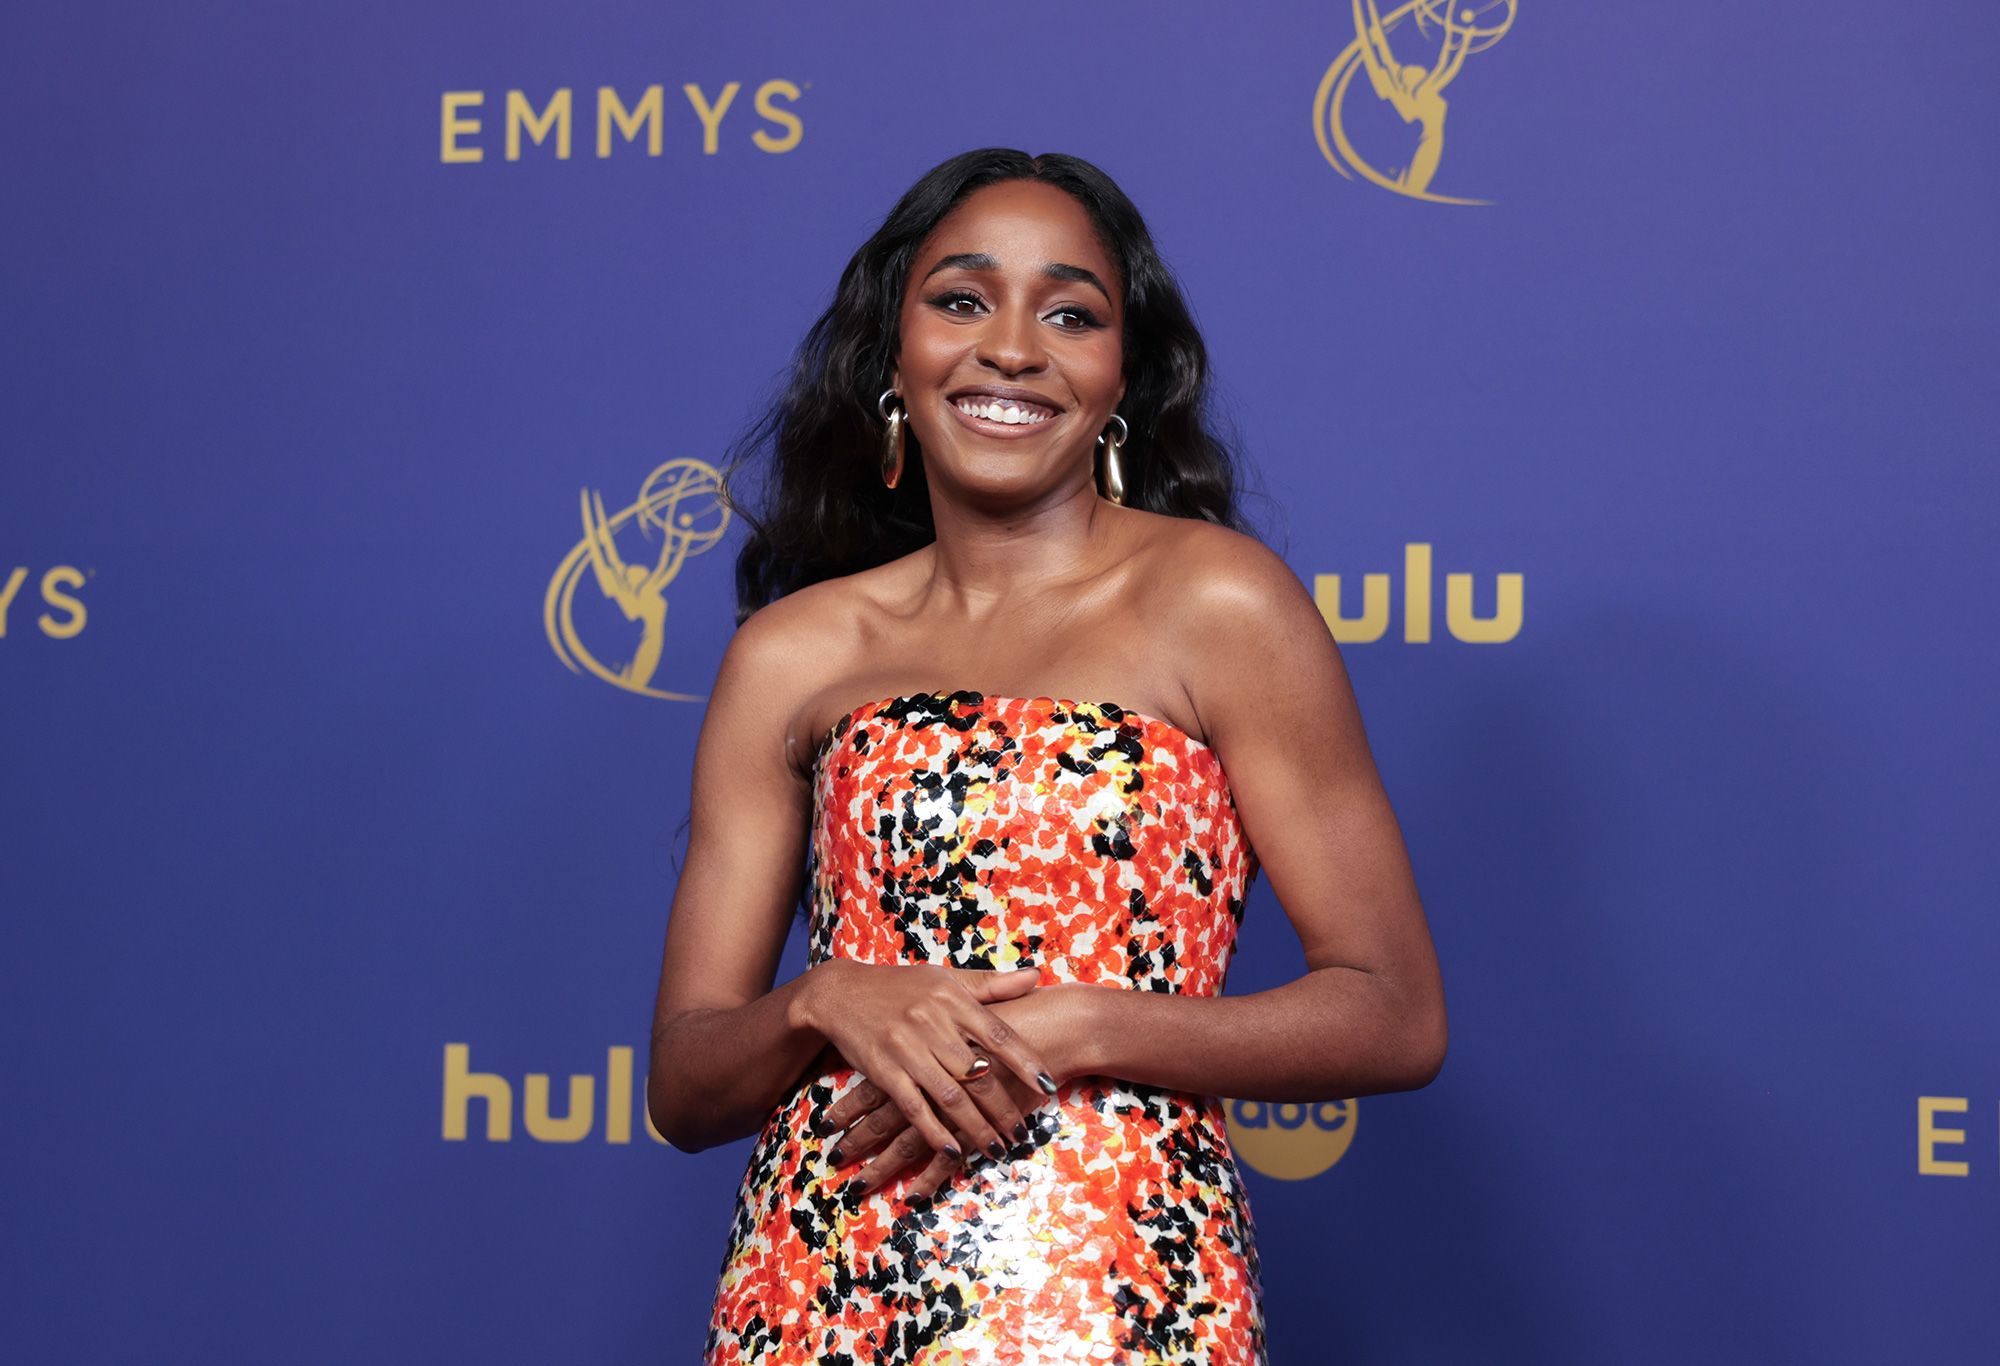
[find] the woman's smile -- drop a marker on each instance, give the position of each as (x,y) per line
(1011,330)
(1001,411)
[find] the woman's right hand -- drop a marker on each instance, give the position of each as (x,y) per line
(911,1030)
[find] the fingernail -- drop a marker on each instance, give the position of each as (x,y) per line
(834,1156)
(1020,1131)
(951,1151)
(920,1203)
(1048,1082)
(996,1150)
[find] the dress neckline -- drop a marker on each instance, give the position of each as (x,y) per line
(853,714)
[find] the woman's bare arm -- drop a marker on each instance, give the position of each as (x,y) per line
(726,1045)
(1266,679)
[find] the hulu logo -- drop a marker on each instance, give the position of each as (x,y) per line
(463,1086)
(1373,623)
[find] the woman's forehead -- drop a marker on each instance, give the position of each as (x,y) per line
(1022,225)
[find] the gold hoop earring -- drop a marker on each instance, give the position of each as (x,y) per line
(1114,473)
(892,437)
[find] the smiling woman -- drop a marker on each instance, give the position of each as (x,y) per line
(828,512)
(1017,713)
(1005,302)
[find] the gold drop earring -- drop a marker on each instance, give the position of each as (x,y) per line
(1114,473)
(892,437)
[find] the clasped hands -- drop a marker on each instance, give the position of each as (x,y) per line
(914,1032)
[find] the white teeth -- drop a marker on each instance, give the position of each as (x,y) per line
(1001,410)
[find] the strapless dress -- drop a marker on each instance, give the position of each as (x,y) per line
(1100,845)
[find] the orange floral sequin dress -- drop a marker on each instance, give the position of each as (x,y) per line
(978,831)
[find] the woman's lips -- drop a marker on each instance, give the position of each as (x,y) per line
(980,422)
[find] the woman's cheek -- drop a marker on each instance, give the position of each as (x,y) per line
(921,360)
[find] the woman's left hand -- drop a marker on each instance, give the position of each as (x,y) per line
(1049,1018)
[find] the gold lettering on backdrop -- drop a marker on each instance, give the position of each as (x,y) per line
(65,615)
(681,503)
(611,110)
(8,592)
(1930,1137)
(463,1086)
(783,118)
(1373,622)
(1440,36)
(711,115)
(453,127)
(522,115)
(551,125)
(1291,1142)
(53,582)
(1418,595)
(572,1127)
(1504,624)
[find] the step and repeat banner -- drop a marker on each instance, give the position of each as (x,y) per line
(1618,379)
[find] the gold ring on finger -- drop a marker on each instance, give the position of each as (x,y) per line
(981,1065)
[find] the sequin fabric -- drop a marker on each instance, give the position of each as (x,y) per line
(1100,845)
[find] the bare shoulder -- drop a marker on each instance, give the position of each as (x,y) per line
(1248,636)
(780,659)
(1222,569)
(1218,584)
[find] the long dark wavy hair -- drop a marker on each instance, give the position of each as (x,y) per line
(823,510)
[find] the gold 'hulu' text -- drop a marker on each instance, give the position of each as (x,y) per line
(1373,623)
(462,1086)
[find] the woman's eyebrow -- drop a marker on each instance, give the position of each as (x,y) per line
(964,260)
(1055,270)
(1062,270)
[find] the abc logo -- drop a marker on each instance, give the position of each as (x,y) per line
(1291,1142)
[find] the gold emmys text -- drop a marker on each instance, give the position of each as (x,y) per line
(463,120)
(57,586)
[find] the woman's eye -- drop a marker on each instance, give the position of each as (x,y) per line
(1083,318)
(950,302)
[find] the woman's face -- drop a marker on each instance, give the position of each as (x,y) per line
(1012,342)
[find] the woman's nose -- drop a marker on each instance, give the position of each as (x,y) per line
(1011,342)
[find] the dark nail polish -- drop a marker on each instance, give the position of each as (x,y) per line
(1048,1082)
(996,1150)
(1020,1131)
(951,1151)
(920,1203)
(835,1157)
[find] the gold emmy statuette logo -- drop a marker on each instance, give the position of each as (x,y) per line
(681,503)
(1291,1142)
(1448,31)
